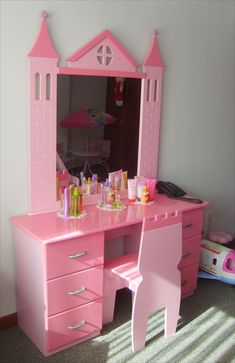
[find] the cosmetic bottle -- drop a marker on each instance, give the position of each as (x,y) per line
(132,185)
(145,195)
(151,185)
(76,206)
(62,200)
(88,186)
(107,189)
(94,184)
(66,202)
(80,199)
(81,177)
(124,180)
(101,201)
(116,188)
(83,183)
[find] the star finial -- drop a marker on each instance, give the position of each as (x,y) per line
(43,15)
(155,33)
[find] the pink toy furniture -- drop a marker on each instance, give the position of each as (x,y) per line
(63,261)
(103,56)
(152,275)
(59,262)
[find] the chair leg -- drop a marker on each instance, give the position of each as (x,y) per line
(172,314)
(139,323)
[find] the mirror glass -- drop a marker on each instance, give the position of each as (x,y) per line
(110,141)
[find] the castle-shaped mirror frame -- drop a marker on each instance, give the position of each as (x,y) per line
(102,56)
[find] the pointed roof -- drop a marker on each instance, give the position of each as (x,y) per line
(106,34)
(154,57)
(43,46)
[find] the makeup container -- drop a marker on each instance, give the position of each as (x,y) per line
(141,183)
(132,185)
(151,185)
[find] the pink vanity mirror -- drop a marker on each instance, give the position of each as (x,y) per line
(98,119)
(134,135)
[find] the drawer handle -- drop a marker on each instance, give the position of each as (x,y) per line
(187,225)
(77,292)
(183,283)
(186,254)
(77,326)
(80,254)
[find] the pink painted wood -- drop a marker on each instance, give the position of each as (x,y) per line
(56,228)
(152,275)
(100,72)
(150,112)
(103,52)
(190,251)
(74,290)
(42,102)
(29,257)
(36,297)
(154,57)
(75,255)
(104,56)
(43,46)
(86,321)
(43,243)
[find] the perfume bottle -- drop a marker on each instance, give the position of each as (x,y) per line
(102,197)
(107,189)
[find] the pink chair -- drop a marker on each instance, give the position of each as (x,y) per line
(152,276)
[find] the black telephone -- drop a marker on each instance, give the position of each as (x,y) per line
(175,192)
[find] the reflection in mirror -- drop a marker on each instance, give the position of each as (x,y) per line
(110,141)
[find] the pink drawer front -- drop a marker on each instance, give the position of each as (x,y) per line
(74,290)
(189,280)
(74,324)
(192,223)
(74,255)
(190,251)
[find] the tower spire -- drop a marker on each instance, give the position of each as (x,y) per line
(154,57)
(43,46)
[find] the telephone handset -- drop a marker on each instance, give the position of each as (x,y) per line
(175,192)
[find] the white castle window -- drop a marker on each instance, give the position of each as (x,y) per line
(37,86)
(104,55)
(48,86)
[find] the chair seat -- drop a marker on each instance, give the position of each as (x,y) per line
(126,268)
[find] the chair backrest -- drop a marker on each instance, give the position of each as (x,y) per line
(160,246)
(103,146)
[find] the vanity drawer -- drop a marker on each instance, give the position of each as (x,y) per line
(190,251)
(73,290)
(74,324)
(189,276)
(192,223)
(74,255)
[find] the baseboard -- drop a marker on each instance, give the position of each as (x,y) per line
(8,321)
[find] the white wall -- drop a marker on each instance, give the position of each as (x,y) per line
(198,129)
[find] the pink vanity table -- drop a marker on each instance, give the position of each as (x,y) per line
(59,267)
(59,262)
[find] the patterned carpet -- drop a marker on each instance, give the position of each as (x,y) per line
(205,334)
